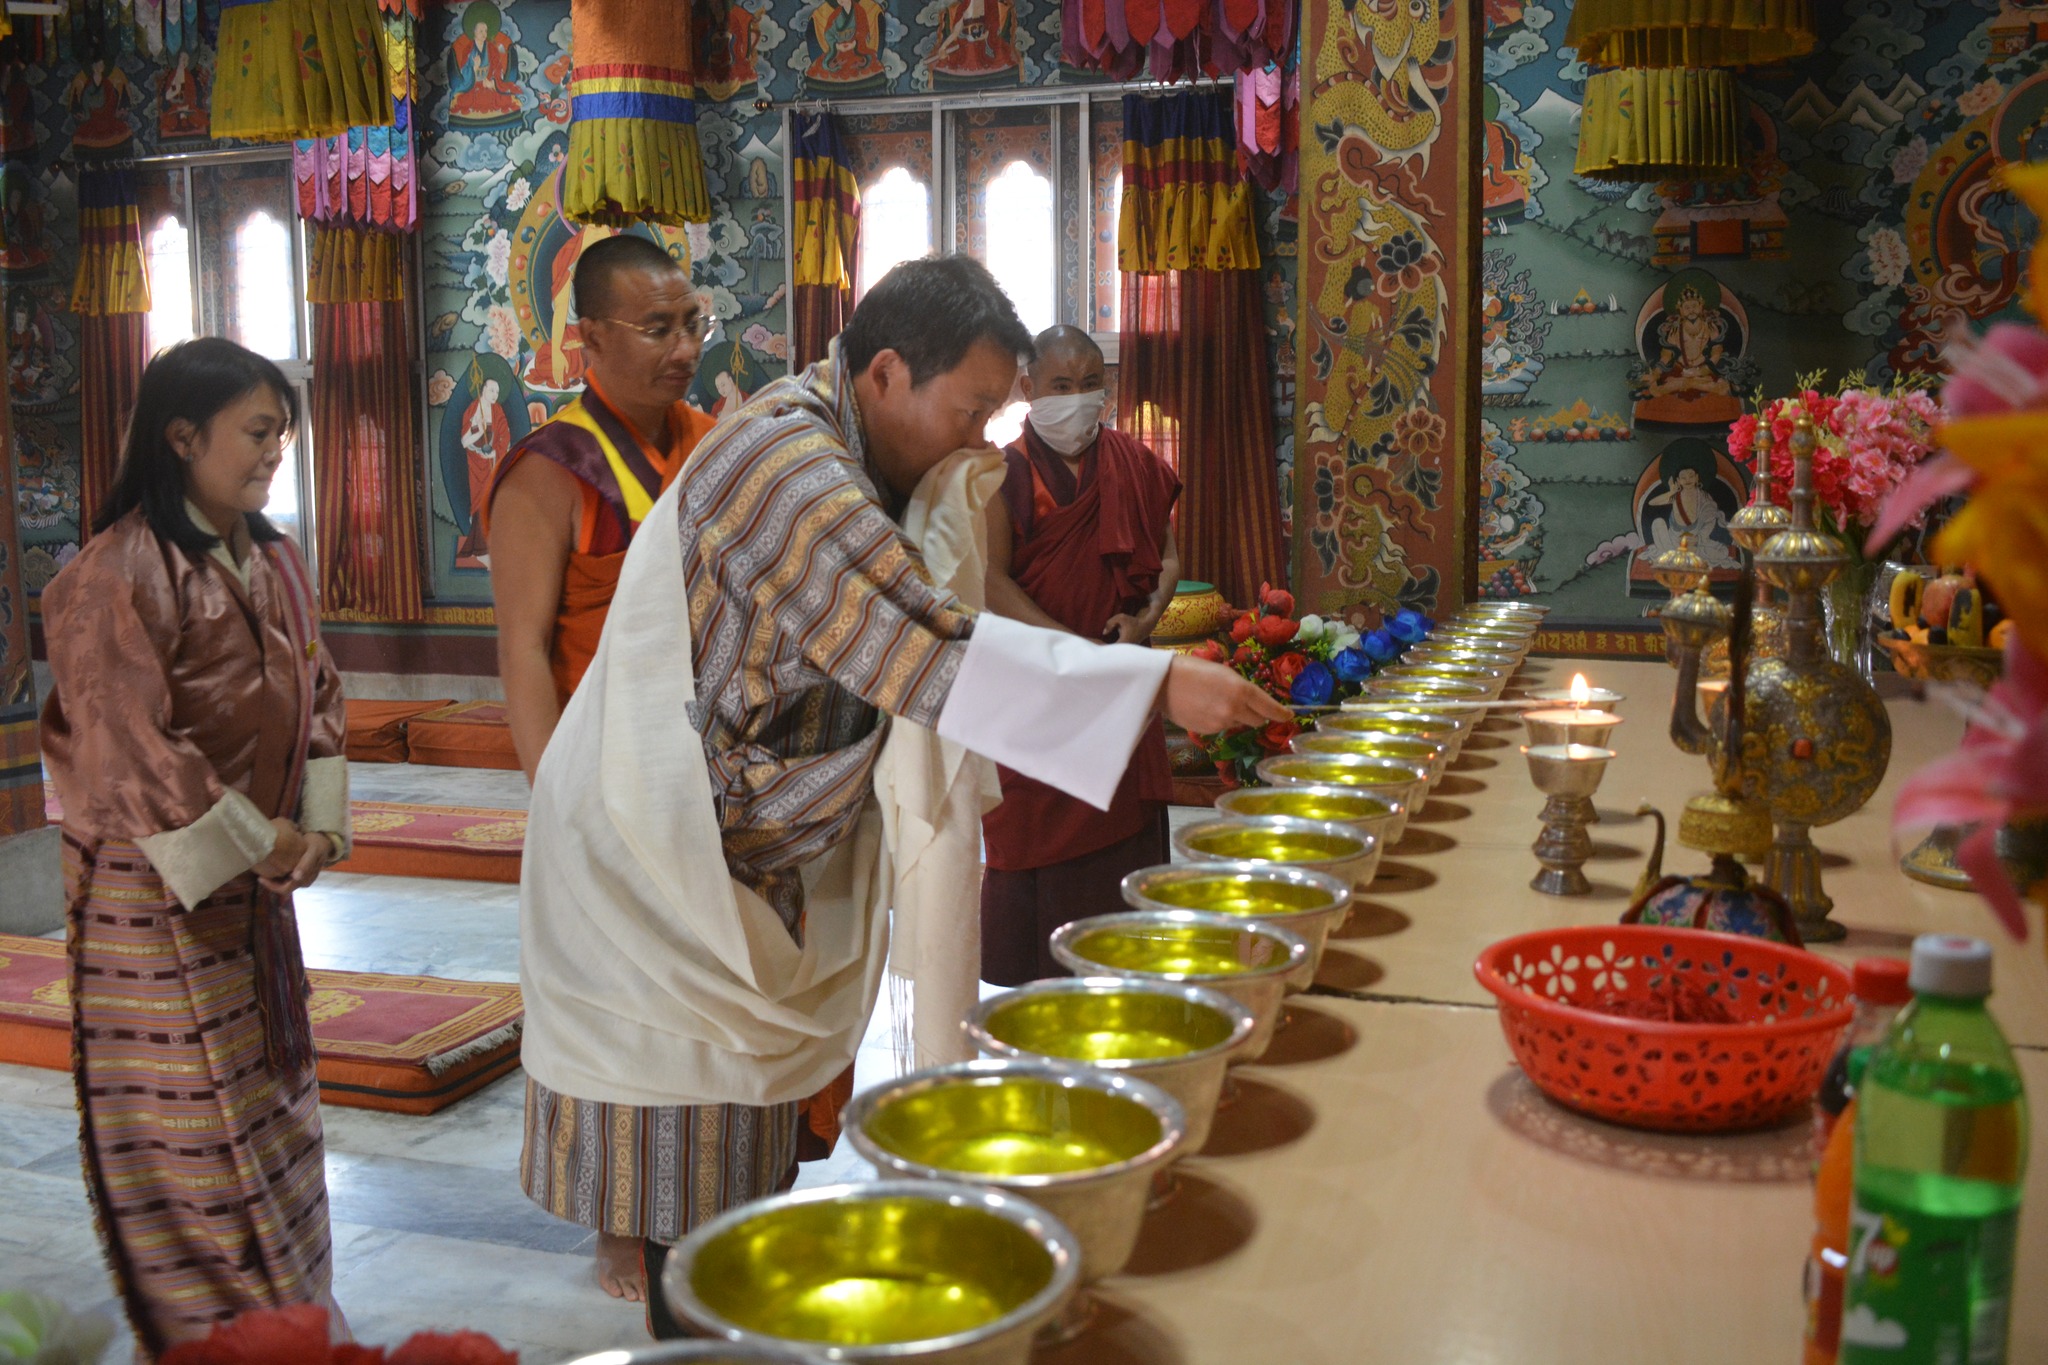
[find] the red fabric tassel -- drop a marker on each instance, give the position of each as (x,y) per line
(282,991)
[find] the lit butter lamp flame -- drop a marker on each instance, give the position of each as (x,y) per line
(1581,694)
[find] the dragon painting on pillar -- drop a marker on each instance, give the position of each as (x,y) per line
(1387,420)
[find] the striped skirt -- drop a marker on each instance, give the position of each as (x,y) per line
(204,1164)
(651,1173)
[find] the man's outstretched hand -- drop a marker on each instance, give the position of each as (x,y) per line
(1204,698)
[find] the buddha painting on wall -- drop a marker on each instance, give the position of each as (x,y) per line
(974,42)
(1692,335)
(1691,489)
(846,45)
(483,82)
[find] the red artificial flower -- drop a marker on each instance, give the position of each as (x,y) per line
(265,1336)
(1241,629)
(1274,737)
(1274,631)
(451,1348)
(1211,650)
(1288,667)
(1247,654)
(1275,601)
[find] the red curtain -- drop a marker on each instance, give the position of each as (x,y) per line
(1192,383)
(817,313)
(111,353)
(366,460)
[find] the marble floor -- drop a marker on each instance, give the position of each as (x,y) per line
(430,1226)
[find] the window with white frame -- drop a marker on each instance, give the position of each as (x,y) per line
(226,254)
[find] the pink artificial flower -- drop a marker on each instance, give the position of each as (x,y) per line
(2000,771)
(2004,371)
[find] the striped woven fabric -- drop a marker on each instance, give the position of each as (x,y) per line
(204,1164)
(1186,206)
(651,1173)
(633,149)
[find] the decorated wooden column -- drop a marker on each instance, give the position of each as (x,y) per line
(1386,425)
(29,854)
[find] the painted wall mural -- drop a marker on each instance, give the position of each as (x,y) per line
(1624,326)
(1386,412)
(500,338)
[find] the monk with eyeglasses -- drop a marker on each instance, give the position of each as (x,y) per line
(559,524)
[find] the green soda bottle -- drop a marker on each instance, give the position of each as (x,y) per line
(1941,1154)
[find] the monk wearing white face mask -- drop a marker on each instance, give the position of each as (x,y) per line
(1081,540)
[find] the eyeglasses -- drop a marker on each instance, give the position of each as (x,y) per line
(666,334)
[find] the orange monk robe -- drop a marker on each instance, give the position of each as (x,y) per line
(622,473)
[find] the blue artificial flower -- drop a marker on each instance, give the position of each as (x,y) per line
(1313,686)
(1408,627)
(1351,665)
(1379,646)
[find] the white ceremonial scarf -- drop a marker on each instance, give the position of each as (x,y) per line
(650,977)
(933,793)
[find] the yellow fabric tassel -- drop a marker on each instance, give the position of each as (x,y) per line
(1660,123)
(290,69)
(1696,33)
(354,265)
(624,171)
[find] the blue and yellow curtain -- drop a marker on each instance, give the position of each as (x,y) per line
(1186,206)
(111,278)
(289,69)
(825,193)
(633,150)
(825,233)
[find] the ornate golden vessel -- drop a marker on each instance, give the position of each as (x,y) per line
(1815,737)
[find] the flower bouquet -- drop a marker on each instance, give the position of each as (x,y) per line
(1869,443)
(1308,663)
(1994,438)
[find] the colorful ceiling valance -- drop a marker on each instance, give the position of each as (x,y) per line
(1268,119)
(1181,40)
(825,203)
(1185,206)
(633,151)
(290,69)
(1694,33)
(368,176)
(1176,39)
(111,277)
(1660,123)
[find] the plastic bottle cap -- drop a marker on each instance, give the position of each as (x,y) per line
(1951,965)
(1881,980)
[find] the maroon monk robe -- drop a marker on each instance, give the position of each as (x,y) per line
(1084,547)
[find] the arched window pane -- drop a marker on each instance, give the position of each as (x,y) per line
(264,288)
(895,224)
(1021,240)
(168,247)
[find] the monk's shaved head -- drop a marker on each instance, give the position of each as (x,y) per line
(1064,344)
(1068,361)
(607,271)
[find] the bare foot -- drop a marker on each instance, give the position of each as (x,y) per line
(620,1269)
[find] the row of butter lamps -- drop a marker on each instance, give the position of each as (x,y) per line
(1014,1182)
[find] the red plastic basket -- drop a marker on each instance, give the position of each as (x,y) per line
(1791,1006)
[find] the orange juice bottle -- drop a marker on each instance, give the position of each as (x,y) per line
(1834,1185)
(1881,990)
